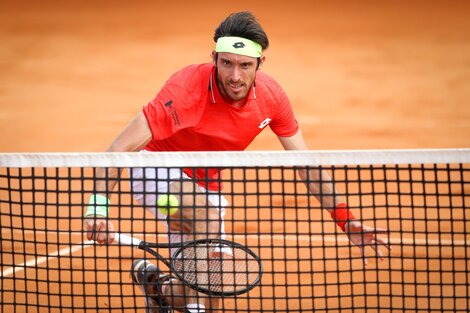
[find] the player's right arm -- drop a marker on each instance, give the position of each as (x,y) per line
(132,138)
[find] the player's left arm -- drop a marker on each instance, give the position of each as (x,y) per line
(323,192)
(359,234)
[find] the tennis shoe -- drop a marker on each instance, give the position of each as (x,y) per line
(150,279)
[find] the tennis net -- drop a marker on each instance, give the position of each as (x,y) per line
(422,197)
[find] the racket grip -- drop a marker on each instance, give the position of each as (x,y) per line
(126,240)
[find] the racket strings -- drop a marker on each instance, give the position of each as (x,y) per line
(217,269)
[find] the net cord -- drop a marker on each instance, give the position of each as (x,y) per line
(235,158)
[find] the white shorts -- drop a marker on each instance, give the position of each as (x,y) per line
(147,185)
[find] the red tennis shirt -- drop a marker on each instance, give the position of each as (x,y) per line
(189,114)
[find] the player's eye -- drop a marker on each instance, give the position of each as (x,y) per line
(246,66)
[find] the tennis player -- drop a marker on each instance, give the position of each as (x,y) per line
(218,106)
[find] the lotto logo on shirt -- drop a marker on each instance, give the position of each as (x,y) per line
(264,123)
(172,112)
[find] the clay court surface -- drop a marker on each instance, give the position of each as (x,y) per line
(360,74)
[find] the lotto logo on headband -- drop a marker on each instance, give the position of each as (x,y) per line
(239,45)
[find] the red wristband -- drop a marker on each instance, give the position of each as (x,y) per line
(341,215)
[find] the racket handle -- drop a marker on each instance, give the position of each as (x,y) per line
(126,240)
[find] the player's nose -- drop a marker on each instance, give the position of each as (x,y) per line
(235,74)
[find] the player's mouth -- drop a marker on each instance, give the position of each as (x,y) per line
(236,88)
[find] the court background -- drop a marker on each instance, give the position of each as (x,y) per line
(360,75)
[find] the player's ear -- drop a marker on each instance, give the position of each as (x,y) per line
(214,56)
(261,61)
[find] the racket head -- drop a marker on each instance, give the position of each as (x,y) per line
(217,267)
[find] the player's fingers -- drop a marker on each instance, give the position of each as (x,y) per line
(368,239)
(90,234)
(378,251)
(374,245)
(110,233)
(100,233)
(371,230)
(89,226)
(380,254)
(95,232)
(384,243)
(363,255)
(109,238)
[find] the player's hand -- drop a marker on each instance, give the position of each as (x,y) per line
(99,229)
(362,236)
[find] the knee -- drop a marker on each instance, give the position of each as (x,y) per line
(195,215)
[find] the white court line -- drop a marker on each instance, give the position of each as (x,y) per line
(302,238)
(340,237)
(37,261)
(344,239)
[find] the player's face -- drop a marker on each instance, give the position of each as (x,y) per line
(235,75)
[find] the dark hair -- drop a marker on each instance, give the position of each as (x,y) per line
(242,24)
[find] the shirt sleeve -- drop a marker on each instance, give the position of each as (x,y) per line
(284,123)
(173,108)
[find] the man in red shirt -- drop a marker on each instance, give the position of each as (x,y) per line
(219,106)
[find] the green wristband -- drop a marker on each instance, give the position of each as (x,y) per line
(97,206)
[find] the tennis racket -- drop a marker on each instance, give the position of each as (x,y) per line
(211,266)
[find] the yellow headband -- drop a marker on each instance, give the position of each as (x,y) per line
(239,45)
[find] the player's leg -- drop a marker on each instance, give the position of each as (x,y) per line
(144,274)
(196,218)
